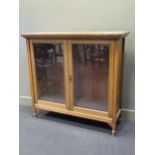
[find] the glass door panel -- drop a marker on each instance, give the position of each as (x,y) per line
(90,72)
(49,61)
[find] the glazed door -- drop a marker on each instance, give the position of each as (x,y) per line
(49,72)
(92,73)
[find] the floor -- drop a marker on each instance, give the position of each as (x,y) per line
(55,134)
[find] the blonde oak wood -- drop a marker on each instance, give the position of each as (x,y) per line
(52,104)
(111,79)
(33,72)
(70,75)
(66,73)
(116,43)
(30,75)
(77,35)
(91,112)
(49,107)
(115,85)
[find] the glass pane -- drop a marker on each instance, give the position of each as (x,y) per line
(91,65)
(49,60)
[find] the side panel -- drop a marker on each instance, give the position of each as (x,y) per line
(31,74)
(117,81)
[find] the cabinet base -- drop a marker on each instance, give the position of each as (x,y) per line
(50,107)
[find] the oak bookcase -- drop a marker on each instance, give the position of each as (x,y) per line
(77,73)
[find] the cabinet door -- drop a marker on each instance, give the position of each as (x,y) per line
(48,71)
(92,68)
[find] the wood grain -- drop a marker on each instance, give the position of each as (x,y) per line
(115,84)
(111,80)
(50,107)
(30,75)
(77,35)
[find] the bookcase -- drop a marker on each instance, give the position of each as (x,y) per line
(77,73)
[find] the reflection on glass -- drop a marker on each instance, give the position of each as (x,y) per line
(49,60)
(91,64)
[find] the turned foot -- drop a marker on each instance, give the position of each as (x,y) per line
(34,114)
(113,132)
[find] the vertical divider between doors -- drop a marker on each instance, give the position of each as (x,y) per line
(71,75)
(68,74)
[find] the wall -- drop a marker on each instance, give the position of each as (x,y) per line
(80,15)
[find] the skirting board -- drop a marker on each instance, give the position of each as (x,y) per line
(127,114)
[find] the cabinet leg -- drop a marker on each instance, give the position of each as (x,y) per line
(34,114)
(34,110)
(113,132)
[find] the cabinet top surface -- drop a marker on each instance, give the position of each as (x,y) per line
(96,34)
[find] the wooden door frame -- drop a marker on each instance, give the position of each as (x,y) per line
(33,74)
(109,112)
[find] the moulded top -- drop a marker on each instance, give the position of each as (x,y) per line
(77,35)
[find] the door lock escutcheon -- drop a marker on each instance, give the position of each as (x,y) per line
(70,78)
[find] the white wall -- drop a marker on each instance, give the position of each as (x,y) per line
(80,15)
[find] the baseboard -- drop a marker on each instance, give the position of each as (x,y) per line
(127,114)
(25,100)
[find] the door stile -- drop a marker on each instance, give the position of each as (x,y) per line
(115,84)
(66,73)
(111,79)
(70,76)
